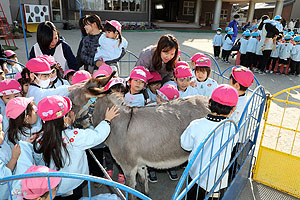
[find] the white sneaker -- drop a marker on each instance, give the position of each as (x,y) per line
(298,75)
(256,70)
(267,71)
(271,72)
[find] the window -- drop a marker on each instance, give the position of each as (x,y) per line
(224,15)
(188,8)
(117,5)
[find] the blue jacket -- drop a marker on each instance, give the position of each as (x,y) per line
(234,24)
(296,53)
(252,43)
(227,45)
(243,47)
(218,40)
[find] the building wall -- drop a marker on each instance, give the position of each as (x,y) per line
(5,5)
(295,10)
(286,12)
(182,17)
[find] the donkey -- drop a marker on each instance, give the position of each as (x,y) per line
(145,136)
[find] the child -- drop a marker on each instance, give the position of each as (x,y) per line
(112,45)
(137,83)
(259,58)
(227,45)
(104,70)
(217,43)
(38,188)
(62,148)
(195,58)
(22,114)
(183,75)
(154,84)
(24,82)
(204,84)
(68,75)
(243,48)
(241,79)
(295,55)
(12,67)
(284,55)
(274,55)
(251,48)
(81,76)
(221,104)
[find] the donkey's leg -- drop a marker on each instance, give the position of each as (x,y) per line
(142,172)
(130,176)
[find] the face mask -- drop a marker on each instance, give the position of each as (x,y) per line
(53,79)
(43,83)
(218,32)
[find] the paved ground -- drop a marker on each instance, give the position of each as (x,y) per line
(190,42)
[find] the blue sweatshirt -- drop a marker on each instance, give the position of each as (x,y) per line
(218,40)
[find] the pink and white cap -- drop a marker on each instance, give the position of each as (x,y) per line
(138,74)
(156,77)
(18,76)
(38,66)
(9,53)
(182,63)
(10,86)
(115,24)
(183,71)
(196,56)
(49,59)
(104,70)
(53,107)
(81,76)
(225,94)
(113,82)
(243,76)
(33,188)
(68,71)
(203,62)
(17,106)
(168,92)
(146,70)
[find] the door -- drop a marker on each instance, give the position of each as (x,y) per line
(56,9)
(208,17)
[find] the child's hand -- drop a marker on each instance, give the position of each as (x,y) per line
(112,113)
(16,152)
(193,83)
(99,63)
(32,138)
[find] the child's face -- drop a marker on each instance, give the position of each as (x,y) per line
(154,87)
(2,134)
(7,98)
(160,100)
(13,58)
(136,86)
(111,34)
(25,88)
(31,119)
(182,83)
(201,75)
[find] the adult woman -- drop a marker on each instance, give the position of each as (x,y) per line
(161,57)
(50,43)
(269,32)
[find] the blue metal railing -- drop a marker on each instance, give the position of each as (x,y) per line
(24,32)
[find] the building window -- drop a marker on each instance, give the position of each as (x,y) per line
(224,14)
(188,8)
(116,5)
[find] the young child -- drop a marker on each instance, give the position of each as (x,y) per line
(274,55)
(81,76)
(112,45)
(38,188)
(251,48)
(22,116)
(259,58)
(63,148)
(137,93)
(154,84)
(12,67)
(241,79)
(221,104)
(227,45)
(204,84)
(243,48)
(24,82)
(295,55)
(183,75)
(217,43)
(194,59)
(68,75)
(284,55)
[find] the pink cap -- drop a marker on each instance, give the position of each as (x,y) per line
(196,56)
(1,118)
(113,82)
(18,76)
(138,74)
(33,188)
(53,107)
(225,94)
(68,71)
(106,67)
(168,92)
(243,76)
(115,24)
(9,53)
(39,66)
(81,76)
(146,70)
(10,86)
(203,62)
(182,63)
(49,59)
(104,70)
(179,52)
(183,71)
(156,77)
(16,106)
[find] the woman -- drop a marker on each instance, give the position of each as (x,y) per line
(161,57)
(50,43)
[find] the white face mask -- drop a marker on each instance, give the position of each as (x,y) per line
(53,78)
(43,83)
(218,32)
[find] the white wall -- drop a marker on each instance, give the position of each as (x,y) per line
(6,8)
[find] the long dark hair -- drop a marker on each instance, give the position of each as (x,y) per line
(58,74)
(165,43)
(93,19)
(81,25)
(44,35)
(51,143)
(18,125)
(261,24)
(109,27)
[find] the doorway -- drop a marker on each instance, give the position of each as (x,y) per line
(208,18)
(56,8)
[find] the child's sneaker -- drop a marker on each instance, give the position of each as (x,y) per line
(228,62)
(267,71)
(271,72)
(172,174)
(121,179)
(256,70)
(298,75)
(152,177)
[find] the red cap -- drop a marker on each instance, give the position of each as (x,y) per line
(168,92)
(53,107)
(225,94)
(196,56)
(183,71)
(139,74)
(182,63)
(81,76)
(16,106)
(113,82)
(156,77)
(203,62)
(243,76)
(39,66)
(10,86)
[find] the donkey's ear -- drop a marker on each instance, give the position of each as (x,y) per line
(94,92)
(102,81)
